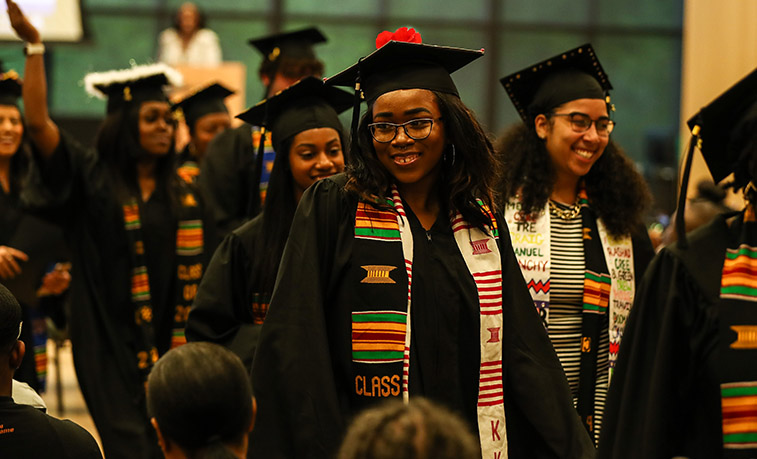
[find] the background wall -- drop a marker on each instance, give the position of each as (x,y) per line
(639,44)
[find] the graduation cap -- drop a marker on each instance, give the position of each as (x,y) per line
(204,101)
(297,44)
(725,131)
(574,74)
(10,88)
(140,83)
(307,104)
(405,65)
(402,62)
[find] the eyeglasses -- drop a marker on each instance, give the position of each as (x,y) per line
(581,122)
(417,129)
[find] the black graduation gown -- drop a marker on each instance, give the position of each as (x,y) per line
(302,376)
(76,188)
(228,172)
(664,399)
(222,310)
(44,244)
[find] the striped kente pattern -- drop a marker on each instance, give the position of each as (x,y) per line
(375,224)
(739,279)
(189,237)
(597,288)
(739,404)
(378,336)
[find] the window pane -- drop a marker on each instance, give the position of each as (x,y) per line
(546,11)
(105,51)
(645,73)
(645,13)
(367,8)
(438,9)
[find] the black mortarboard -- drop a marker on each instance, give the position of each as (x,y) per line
(140,83)
(297,44)
(725,131)
(10,88)
(307,104)
(204,101)
(403,65)
(719,126)
(574,74)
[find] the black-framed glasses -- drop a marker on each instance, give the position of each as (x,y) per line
(581,122)
(417,129)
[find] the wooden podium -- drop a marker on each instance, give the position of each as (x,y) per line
(232,75)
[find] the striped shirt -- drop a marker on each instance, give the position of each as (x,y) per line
(565,305)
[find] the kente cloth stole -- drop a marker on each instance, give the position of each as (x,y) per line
(189,171)
(189,248)
(268,156)
(381,328)
(608,284)
(738,341)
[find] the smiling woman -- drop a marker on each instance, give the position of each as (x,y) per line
(574,204)
(394,280)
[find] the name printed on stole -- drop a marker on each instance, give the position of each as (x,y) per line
(189,273)
(383,386)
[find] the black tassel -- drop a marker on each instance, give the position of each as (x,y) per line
(356,110)
(680,220)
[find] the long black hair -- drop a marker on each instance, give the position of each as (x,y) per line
(616,191)
(118,147)
(278,214)
(468,174)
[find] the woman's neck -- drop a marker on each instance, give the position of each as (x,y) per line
(424,202)
(146,177)
(565,190)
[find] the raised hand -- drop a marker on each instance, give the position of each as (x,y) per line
(24,29)
(9,267)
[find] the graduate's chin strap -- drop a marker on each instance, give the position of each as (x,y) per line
(680,221)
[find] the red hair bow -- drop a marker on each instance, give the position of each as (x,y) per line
(402,34)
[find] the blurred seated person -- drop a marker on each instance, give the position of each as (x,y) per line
(26,431)
(700,210)
(206,115)
(200,402)
(188,41)
(418,429)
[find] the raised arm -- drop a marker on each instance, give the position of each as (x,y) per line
(42,130)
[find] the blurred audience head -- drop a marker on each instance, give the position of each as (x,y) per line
(200,402)
(419,429)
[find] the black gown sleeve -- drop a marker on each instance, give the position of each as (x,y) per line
(226,177)
(643,252)
(224,297)
(658,404)
(541,420)
(299,407)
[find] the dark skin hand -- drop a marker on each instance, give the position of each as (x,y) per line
(24,29)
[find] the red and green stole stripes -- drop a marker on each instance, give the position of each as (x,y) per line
(189,249)
(381,326)
(738,340)
(188,171)
(609,284)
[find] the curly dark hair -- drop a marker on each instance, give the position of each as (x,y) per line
(472,175)
(617,192)
(421,428)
